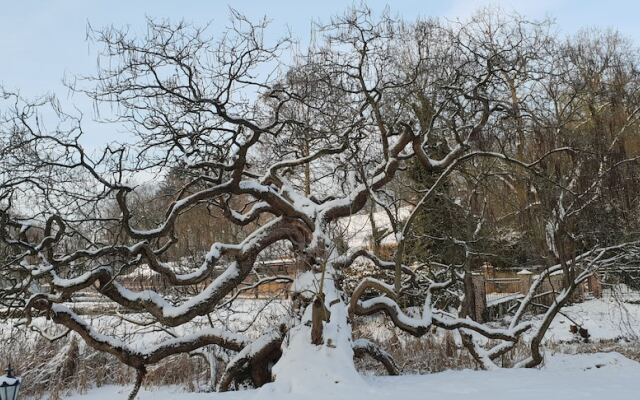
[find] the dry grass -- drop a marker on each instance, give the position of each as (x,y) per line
(629,349)
(431,353)
(53,369)
(438,351)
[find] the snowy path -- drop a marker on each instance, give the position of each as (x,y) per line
(600,376)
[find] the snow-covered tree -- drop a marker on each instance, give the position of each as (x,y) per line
(283,144)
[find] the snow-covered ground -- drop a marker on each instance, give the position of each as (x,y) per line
(607,376)
(563,376)
(605,319)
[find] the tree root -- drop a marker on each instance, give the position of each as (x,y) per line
(255,360)
(140,374)
(362,347)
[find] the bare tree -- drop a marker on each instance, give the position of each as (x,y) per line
(282,153)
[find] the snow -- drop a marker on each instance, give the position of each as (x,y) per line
(241,317)
(181,269)
(171,311)
(605,319)
(309,372)
(6,381)
(586,376)
(305,370)
(524,272)
(493,299)
(357,227)
(306,284)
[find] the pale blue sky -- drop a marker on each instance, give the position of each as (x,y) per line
(40,40)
